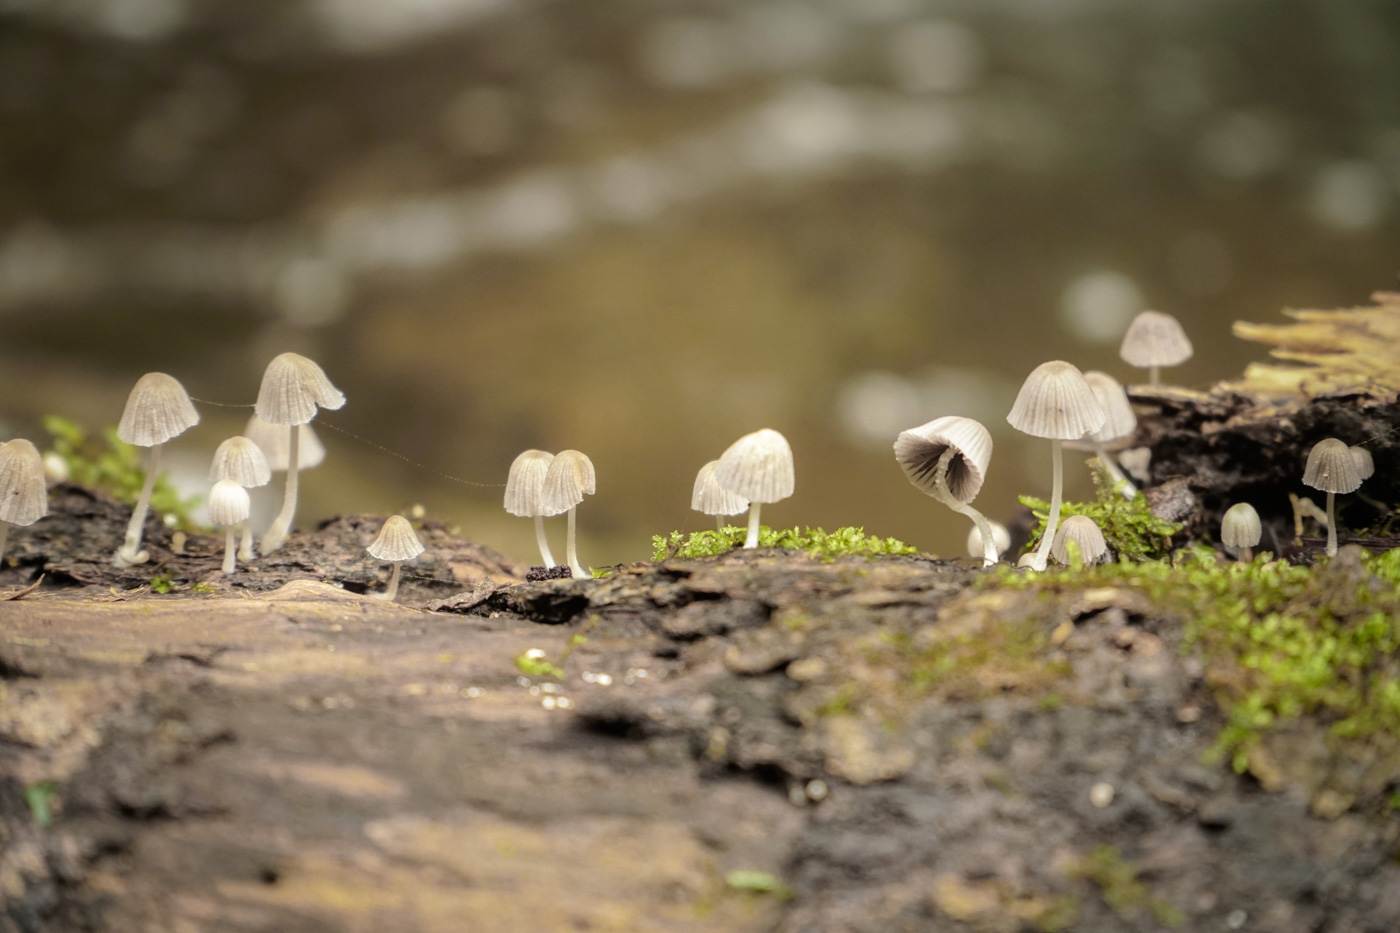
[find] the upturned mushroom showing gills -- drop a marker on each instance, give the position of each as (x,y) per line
(710,498)
(757,466)
(1240,530)
(1055,402)
(525,494)
(947,459)
(1332,468)
(1155,340)
(396,542)
(293,388)
(157,410)
(229,506)
(569,478)
(24,497)
(1119,422)
(241,460)
(1078,542)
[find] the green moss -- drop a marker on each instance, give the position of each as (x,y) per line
(115,467)
(40,797)
(204,589)
(1118,884)
(533,664)
(758,882)
(816,542)
(1130,528)
(161,584)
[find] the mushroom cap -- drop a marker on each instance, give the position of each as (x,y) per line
(918,451)
(758,466)
(1086,535)
(292,387)
(1331,467)
(525,484)
(275,441)
(396,541)
(1055,401)
(570,476)
(1155,339)
(1119,419)
(157,409)
(242,461)
(1239,527)
(1000,537)
(711,498)
(24,498)
(1365,464)
(228,503)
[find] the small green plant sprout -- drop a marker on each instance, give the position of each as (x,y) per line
(242,461)
(535,663)
(24,498)
(569,478)
(758,882)
(1056,403)
(1240,530)
(395,543)
(293,388)
(525,494)
(947,459)
(757,466)
(710,498)
(157,410)
(1331,468)
(229,506)
(1001,539)
(1079,542)
(1154,340)
(1119,424)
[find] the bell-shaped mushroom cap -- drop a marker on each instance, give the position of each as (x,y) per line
(24,498)
(275,444)
(1239,527)
(1331,467)
(292,387)
(569,477)
(711,498)
(157,409)
(242,461)
(1365,464)
(396,541)
(758,466)
(1000,537)
(1055,401)
(1086,536)
(228,503)
(525,484)
(918,451)
(1155,339)
(1119,419)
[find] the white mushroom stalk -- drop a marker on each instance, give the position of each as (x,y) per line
(229,506)
(1333,468)
(947,459)
(525,494)
(23,494)
(759,467)
(395,542)
(157,410)
(569,478)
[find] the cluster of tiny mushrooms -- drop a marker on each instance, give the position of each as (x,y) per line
(947,458)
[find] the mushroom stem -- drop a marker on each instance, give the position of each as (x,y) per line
(719,523)
(752,539)
(545,554)
(130,552)
(945,496)
(276,534)
(230,552)
(1246,554)
(1154,376)
(4,537)
(577,568)
(392,591)
(1331,524)
(1128,490)
(1042,554)
(245,546)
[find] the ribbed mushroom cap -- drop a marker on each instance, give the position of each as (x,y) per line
(1119,419)
(1055,401)
(1085,534)
(1365,464)
(918,451)
(758,466)
(396,541)
(1239,527)
(1000,537)
(228,503)
(275,444)
(157,409)
(242,461)
(292,387)
(711,498)
(24,499)
(1331,467)
(525,484)
(570,476)
(1155,339)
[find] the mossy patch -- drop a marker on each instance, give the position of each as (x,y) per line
(1129,527)
(816,542)
(117,468)
(1121,889)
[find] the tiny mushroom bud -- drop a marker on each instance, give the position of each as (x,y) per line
(1055,402)
(710,498)
(397,543)
(1332,468)
(229,506)
(947,459)
(242,461)
(1119,423)
(24,497)
(293,387)
(1155,340)
(757,466)
(1240,530)
(525,494)
(1079,541)
(1001,539)
(157,410)
(569,478)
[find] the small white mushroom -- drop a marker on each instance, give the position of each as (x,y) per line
(157,410)
(947,459)
(24,497)
(241,460)
(525,494)
(1332,468)
(229,506)
(759,467)
(710,498)
(1078,542)
(275,442)
(397,543)
(569,478)
(1119,423)
(1001,539)
(1155,340)
(1240,529)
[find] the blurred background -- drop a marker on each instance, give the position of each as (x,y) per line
(643,228)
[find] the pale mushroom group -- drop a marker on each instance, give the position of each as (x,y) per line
(541,485)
